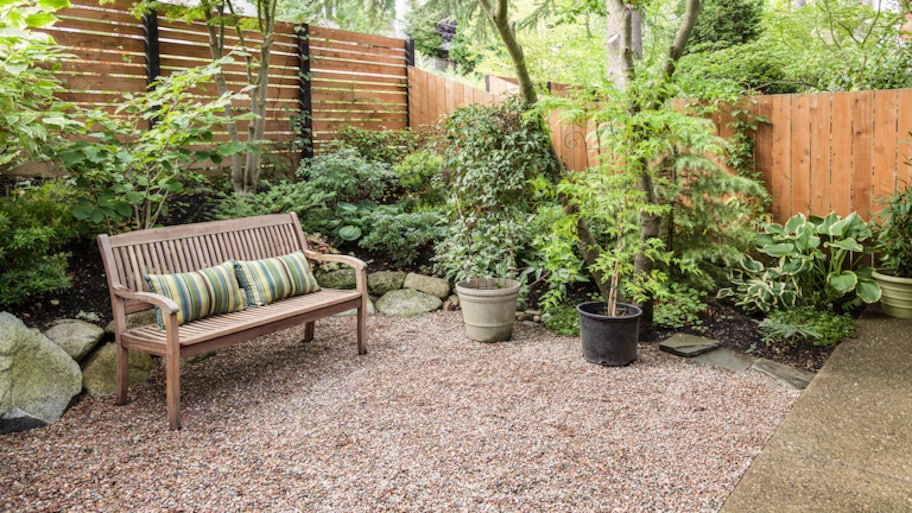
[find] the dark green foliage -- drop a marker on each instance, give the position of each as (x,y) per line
(35,223)
(304,198)
(348,176)
(402,235)
(562,320)
(387,146)
(726,23)
(679,306)
(419,175)
(894,233)
(820,327)
(422,28)
(491,155)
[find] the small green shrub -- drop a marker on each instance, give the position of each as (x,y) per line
(304,198)
(820,327)
(348,176)
(387,146)
(679,306)
(419,175)
(562,320)
(401,235)
(35,223)
(894,232)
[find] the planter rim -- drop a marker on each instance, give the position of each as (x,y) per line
(488,284)
(583,309)
(883,274)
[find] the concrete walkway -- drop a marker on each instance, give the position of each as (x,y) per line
(846,446)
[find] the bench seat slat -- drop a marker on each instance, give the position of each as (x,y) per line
(220,326)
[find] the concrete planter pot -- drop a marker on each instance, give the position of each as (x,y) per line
(895,295)
(488,308)
(609,340)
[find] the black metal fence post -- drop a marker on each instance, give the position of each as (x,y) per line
(305,99)
(153,55)
(409,62)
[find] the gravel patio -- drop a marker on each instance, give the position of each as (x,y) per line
(428,421)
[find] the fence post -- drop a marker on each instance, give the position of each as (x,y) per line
(409,62)
(153,56)
(305,95)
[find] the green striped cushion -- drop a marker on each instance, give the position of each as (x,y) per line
(272,279)
(209,291)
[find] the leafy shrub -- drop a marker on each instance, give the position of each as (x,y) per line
(821,327)
(815,261)
(490,157)
(894,233)
(387,146)
(401,235)
(679,306)
(562,320)
(127,172)
(304,198)
(35,223)
(348,176)
(419,175)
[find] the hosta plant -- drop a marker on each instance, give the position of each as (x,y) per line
(811,261)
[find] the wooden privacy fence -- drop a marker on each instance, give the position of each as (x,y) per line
(340,78)
(819,153)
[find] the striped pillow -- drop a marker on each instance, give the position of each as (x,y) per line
(209,291)
(272,279)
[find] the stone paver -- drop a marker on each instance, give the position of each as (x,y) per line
(785,374)
(682,344)
(727,359)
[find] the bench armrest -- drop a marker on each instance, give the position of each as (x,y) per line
(166,304)
(357,263)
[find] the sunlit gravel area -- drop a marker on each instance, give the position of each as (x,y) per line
(429,421)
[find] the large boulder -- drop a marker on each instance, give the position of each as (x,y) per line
(382,282)
(37,377)
(408,303)
(437,287)
(99,374)
(76,337)
(341,279)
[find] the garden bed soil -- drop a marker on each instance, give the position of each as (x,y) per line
(88,299)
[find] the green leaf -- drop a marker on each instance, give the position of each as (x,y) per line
(846,244)
(868,291)
(779,250)
(349,233)
(40,19)
(842,282)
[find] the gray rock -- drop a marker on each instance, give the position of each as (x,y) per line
(341,279)
(76,337)
(37,377)
(382,282)
(100,371)
(726,359)
(408,303)
(795,378)
(437,287)
(688,345)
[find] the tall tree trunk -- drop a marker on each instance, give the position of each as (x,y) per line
(499,14)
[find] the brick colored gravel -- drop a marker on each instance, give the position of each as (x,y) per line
(429,421)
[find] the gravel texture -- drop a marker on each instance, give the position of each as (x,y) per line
(428,421)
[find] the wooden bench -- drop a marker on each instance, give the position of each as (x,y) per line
(184,248)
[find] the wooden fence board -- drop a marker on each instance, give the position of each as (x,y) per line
(800,154)
(862,152)
(841,167)
(886,165)
(904,137)
(819,146)
(780,186)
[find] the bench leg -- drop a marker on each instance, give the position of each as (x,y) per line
(362,328)
(308,332)
(172,390)
(122,374)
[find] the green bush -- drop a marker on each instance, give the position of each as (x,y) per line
(562,320)
(679,306)
(387,146)
(304,198)
(35,223)
(419,175)
(402,235)
(348,176)
(820,327)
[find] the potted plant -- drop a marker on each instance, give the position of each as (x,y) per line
(490,157)
(611,202)
(894,244)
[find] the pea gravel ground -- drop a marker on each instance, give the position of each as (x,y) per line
(427,422)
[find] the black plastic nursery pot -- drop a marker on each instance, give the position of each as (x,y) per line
(609,340)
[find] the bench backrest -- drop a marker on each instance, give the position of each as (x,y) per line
(190,247)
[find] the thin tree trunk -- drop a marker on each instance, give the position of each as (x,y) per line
(499,15)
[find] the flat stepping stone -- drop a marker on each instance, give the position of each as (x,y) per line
(688,345)
(727,359)
(795,378)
